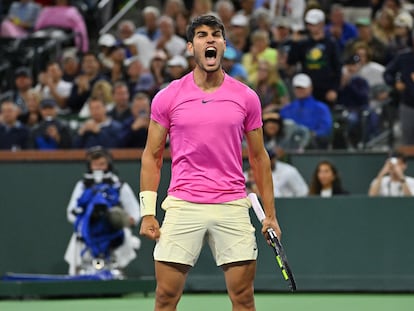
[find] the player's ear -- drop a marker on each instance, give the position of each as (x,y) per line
(190,48)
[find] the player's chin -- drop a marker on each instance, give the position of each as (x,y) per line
(211,69)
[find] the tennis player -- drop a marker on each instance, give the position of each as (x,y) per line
(206,114)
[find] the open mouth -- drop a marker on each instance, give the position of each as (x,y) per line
(210,54)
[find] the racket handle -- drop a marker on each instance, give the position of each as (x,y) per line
(257,207)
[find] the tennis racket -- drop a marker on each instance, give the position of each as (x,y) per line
(274,242)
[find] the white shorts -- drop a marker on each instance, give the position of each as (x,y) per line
(226,227)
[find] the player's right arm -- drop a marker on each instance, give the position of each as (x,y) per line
(151,163)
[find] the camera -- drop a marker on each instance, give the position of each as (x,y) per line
(394,161)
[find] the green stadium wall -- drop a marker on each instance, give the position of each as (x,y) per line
(352,243)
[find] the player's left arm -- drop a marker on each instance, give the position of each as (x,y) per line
(260,164)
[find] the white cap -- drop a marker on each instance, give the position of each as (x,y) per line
(178,60)
(404,19)
(107,40)
(301,80)
(239,20)
(314,16)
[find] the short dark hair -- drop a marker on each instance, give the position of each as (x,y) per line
(398,155)
(97,152)
(208,20)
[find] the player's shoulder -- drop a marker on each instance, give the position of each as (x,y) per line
(172,89)
(239,86)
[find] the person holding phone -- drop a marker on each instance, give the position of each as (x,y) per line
(391,180)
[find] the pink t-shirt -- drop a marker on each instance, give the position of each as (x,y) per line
(206,132)
(67,17)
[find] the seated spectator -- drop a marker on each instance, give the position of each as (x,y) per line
(403,24)
(99,130)
(141,47)
(70,65)
(116,71)
(169,41)
(259,50)
(150,15)
(369,69)
(67,17)
(309,112)
(51,133)
(102,89)
(20,19)
(158,69)
(353,97)
(391,180)
(380,52)
(32,116)
(171,8)
(284,36)
(232,67)
(326,181)
(106,44)
(238,35)
(283,135)
(182,21)
(339,28)
(52,86)
(136,126)
(287,181)
(177,67)
(225,10)
(373,72)
(200,7)
(138,78)
(23,82)
(271,89)
(13,134)
(121,109)
(121,212)
(383,26)
(90,73)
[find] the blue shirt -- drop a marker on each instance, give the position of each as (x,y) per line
(311,113)
(238,71)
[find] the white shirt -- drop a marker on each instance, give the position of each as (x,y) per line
(390,188)
(373,73)
(63,88)
(145,47)
(288,182)
(326,193)
(176,46)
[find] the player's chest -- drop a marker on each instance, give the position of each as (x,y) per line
(207,110)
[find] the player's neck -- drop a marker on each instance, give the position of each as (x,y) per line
(208,81)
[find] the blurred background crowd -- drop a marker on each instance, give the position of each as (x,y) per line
(329,74)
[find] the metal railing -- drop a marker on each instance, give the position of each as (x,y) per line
(117,17)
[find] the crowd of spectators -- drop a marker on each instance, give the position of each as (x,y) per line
(312,63)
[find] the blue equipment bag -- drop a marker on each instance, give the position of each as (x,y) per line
(92,225)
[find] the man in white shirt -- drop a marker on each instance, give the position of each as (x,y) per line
(391,181)
(287,181)
(52,86)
